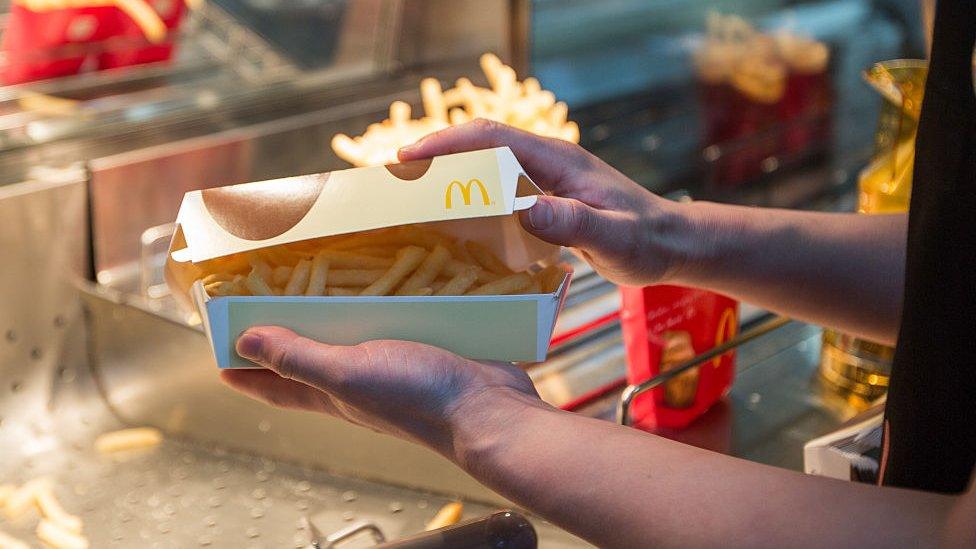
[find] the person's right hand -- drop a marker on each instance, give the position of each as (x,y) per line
(616,225)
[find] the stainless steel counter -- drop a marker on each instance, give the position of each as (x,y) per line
(776,404)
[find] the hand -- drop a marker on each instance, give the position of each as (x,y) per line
(625,232)
(409,390)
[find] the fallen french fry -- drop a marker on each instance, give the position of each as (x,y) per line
(486,258)
(460,283)
(298,282)
(21,501)
(448,515)
(511,284)
(406,261)
(58,537)
(128,439)
(52,510)
(426,272)
(318,275)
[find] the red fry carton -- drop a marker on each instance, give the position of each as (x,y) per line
(47,43)
(665,326)
(171,13)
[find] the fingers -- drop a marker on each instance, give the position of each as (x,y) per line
(568,222)
(293,357)
(270,388)
(550,162)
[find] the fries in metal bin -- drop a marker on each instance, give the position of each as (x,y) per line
(524,105)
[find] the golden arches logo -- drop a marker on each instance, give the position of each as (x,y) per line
(728,325)
(465,192)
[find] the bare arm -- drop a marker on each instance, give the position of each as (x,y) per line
(841,270)
(619,487)
(614,486)
(845,271)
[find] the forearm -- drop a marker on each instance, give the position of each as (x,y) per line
(841,270)
(619,487)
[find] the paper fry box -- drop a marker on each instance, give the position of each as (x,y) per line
(665,326)
(470,196)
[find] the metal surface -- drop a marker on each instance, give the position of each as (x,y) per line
(183,494)
(43,230)
(776,404)
(632,391)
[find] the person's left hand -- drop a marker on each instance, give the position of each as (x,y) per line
(410,390)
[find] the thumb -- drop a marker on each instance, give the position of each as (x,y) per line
(568,222)
(292,356)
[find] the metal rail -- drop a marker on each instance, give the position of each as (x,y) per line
(633,391)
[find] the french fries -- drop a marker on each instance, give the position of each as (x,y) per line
(426,272)
(57,528)
(55,535)
(408,260)
(318,276)
(459,283)
(128,439)
(448,515)
(524,105)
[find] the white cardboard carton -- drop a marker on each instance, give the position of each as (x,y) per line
(471,196)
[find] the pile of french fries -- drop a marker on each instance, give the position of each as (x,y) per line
(523,104)
(407,260)
(57,527)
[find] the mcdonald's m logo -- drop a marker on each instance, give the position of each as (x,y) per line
(465,190)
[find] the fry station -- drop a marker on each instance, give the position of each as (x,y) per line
(140,139)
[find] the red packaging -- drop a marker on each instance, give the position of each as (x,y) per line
(171,13)
(52,42)
(664,326)
(47,44)
(805,110)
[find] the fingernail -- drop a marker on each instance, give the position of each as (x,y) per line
(407,148)
(541,215)
(249,345)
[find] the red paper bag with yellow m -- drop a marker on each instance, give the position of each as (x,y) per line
(665,326)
